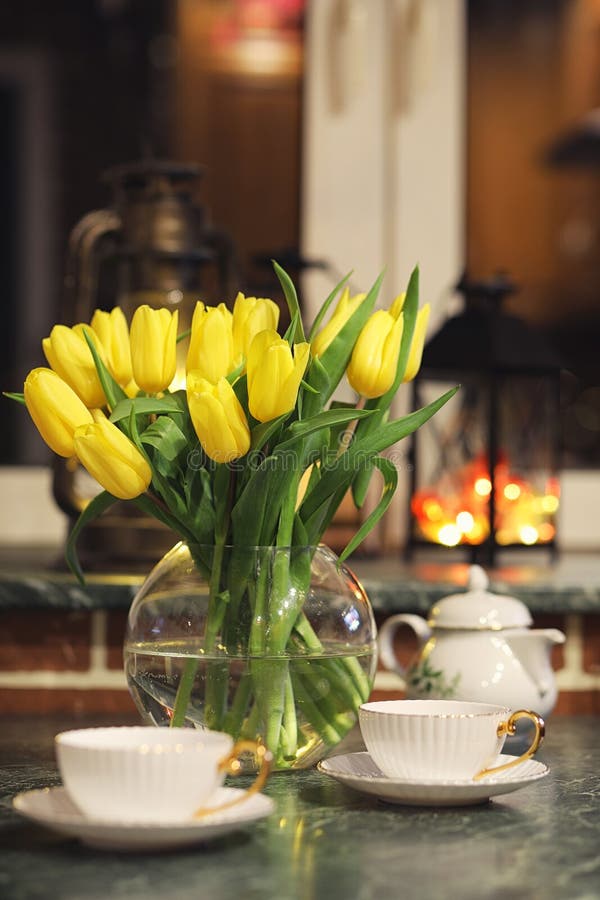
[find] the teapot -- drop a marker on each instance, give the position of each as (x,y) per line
(477,646)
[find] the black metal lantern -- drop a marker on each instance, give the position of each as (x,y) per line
(484,473)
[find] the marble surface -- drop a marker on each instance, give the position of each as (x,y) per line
(31,579)
(326,841)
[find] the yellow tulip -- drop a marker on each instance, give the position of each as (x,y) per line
(251,315)
(55,409)
(113,333)
(398,305)
(374,361)
(111,458)
(218,418)
(274,376)
(68,354)
(153,339)
(345,308)
(418,341)
(211,342)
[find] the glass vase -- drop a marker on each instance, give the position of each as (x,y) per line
(275,644)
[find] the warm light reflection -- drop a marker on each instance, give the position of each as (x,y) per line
(512,491)
(449,535)
(456,511)
(465,521)
(483,487)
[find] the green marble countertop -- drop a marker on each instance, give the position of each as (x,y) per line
(326,841)
(31,578)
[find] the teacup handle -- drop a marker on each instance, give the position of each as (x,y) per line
(231,765)
(510,727)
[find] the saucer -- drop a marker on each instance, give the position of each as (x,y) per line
(54,808)
(358,771)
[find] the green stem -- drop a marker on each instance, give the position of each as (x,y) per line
(250,726)
(313,712)
(273,688)
(184,692)
(216,671)
(256,640)
(349,670)
(216,679)
(289,726)
(233,720)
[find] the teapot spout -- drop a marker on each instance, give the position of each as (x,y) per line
(532,649)
(551,635)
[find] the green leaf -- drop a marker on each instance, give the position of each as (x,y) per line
(95,508)
(181,337)
(20,398)
(145,406)
(261,434)
(319,520)
(390,483)
(291,298)
(237,373)
(317,384)
(166,437)
(169,491)
(361,452)
(325,419)
(257,509)
(198,492)
(112,391)
(152,507)
(240,389)
(290,334)
(323,311)
(307,387)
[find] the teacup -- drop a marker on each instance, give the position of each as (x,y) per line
(143,774)
(441,740)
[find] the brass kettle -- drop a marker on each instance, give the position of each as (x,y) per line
(153,244)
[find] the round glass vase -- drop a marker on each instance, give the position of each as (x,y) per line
(275,644)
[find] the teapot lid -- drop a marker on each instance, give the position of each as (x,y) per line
(478,609)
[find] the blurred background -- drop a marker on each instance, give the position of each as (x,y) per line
(332,135)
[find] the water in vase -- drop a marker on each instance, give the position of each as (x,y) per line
(325,690)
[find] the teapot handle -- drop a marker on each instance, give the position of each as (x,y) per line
(387,632)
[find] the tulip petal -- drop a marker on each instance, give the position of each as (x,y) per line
(418,342)
(55,408)
(211,349)
(373,364)
(70,357)
(218,418)
(112,459)
(345,308)
(153,338)
(113,333)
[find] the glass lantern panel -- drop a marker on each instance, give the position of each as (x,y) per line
(513,420)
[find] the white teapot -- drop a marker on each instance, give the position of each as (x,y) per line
(477,646)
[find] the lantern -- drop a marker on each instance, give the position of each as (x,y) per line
(484,473)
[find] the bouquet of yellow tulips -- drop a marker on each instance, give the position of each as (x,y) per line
(221,459)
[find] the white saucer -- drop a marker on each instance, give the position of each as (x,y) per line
(358,771)
(54,808)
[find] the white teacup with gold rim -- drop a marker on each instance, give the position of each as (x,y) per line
(441,740)
(150,775)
